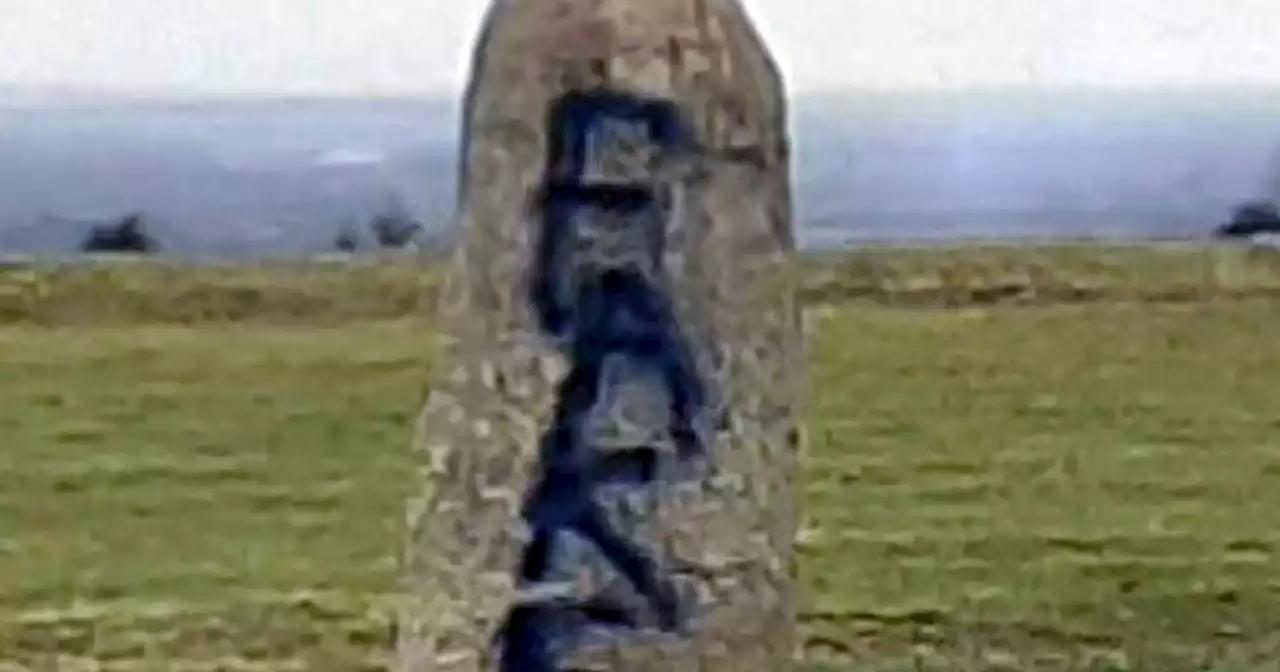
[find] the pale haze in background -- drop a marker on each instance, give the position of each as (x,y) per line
(395,47)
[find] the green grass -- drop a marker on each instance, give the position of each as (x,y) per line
(1066,482)
(126,293)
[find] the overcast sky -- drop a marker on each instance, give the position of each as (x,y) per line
(412,46)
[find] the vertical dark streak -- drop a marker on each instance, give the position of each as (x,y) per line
(594,311)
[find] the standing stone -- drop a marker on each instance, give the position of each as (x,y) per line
(610,453)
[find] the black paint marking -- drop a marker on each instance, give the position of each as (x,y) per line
(595,306)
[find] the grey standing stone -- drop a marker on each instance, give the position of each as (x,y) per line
(721,527)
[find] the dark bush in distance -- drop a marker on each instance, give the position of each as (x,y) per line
(394,231)
(347,240)
(129,235)
(1251,219)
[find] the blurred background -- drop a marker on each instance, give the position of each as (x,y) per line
(237,130)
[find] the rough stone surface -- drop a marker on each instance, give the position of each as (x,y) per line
(728,528)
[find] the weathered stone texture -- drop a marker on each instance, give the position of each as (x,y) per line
(480,429)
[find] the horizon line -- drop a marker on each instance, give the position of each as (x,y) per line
(55,91)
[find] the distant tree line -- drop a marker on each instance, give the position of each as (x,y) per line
(393,227)
(390,232)
(129,235)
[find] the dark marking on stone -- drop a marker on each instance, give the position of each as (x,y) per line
(594,306)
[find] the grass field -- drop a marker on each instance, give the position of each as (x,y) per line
(1035,459)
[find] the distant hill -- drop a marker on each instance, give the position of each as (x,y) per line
(222,177)
(234,177)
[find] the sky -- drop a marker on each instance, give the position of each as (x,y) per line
(392,47)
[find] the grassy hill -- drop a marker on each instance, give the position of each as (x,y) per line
(1020,459)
